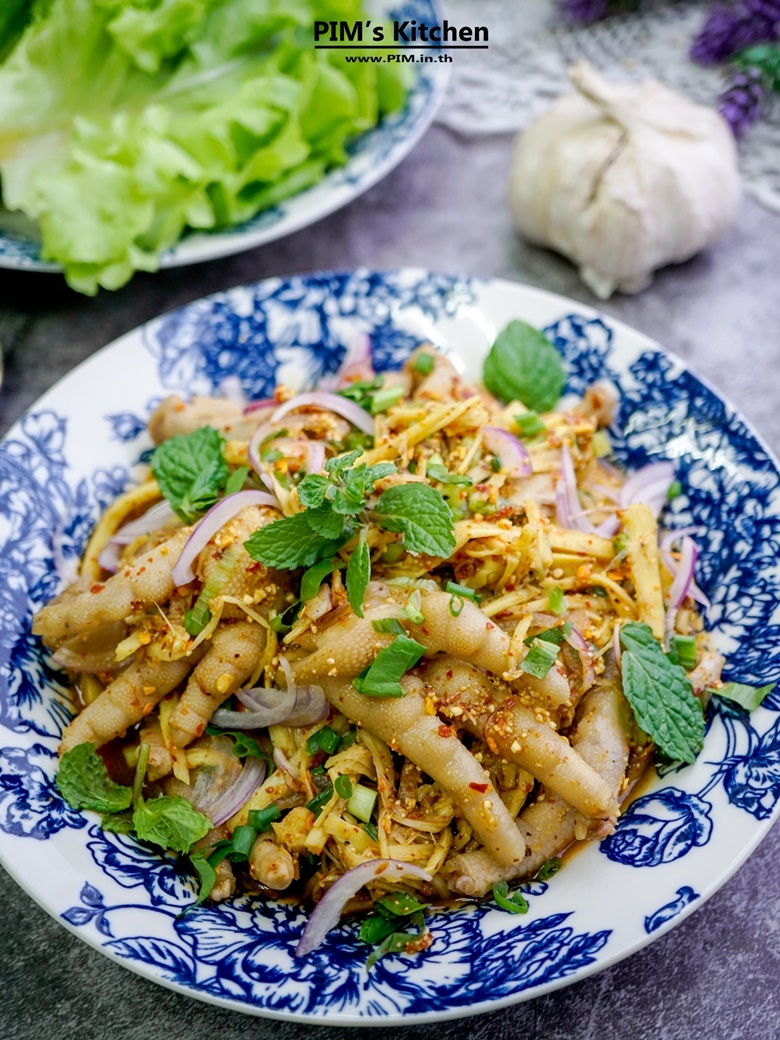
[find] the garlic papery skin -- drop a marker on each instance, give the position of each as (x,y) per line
(623,179)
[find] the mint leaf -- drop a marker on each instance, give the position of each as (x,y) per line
(660,694)
(380,679)
(748,697)
(191,471)
(118,823)
(335,466)
(290,543)
(314,577)
(324,521)
(523,365)
(421,515)
(311,490)
(170,822)
(357,483)
(84,782)
(359,573)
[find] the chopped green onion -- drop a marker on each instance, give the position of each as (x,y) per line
(319,770)
(388,624)
(283,622)
(598,590)
(412,609)
(343,787)
(515,904)
(243,840)
(530,425)
(346,741)
(412,467)
(423,364)
(426,584)
(271,455)
(457,603)
(495,464)
(195,620)
(371,831)
(261,819)
(548,869)
(478,504)
(393,552)
(675,489)
(325,739)
(539,659)
(551,635)
(620,543)
(385,398)
(361,803)
(463,591)
(356,439)
(319,801)
(556,603)
(684,648)
(601,444)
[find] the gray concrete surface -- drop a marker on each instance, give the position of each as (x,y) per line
(718,975)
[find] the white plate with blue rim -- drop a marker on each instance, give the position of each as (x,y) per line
(371,157)
(675,845)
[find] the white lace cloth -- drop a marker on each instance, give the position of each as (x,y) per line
(502,89)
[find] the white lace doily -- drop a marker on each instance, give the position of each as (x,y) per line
(502,89)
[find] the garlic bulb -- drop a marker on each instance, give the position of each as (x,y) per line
(624,178)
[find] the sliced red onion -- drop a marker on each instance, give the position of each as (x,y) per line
(667,540)
(253,454)
(321,604)
(511,452)
(649,485)
(357,364)
(160,515)
(577,641)
(108,558)
(616,644)
(267,707)
(682,580)
(568,507)
(216,518)
(231,388)
(310,706)
(327,913)
(296,706)
(331,403)
(263,403)
(315,456)
(236,797)
(283,763)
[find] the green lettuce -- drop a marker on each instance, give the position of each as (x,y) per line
(125,122)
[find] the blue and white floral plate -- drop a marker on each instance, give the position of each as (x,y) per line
(372,156)
(673,848)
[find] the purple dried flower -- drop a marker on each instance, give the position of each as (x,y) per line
(741,103)
(583,10)
(727,31)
